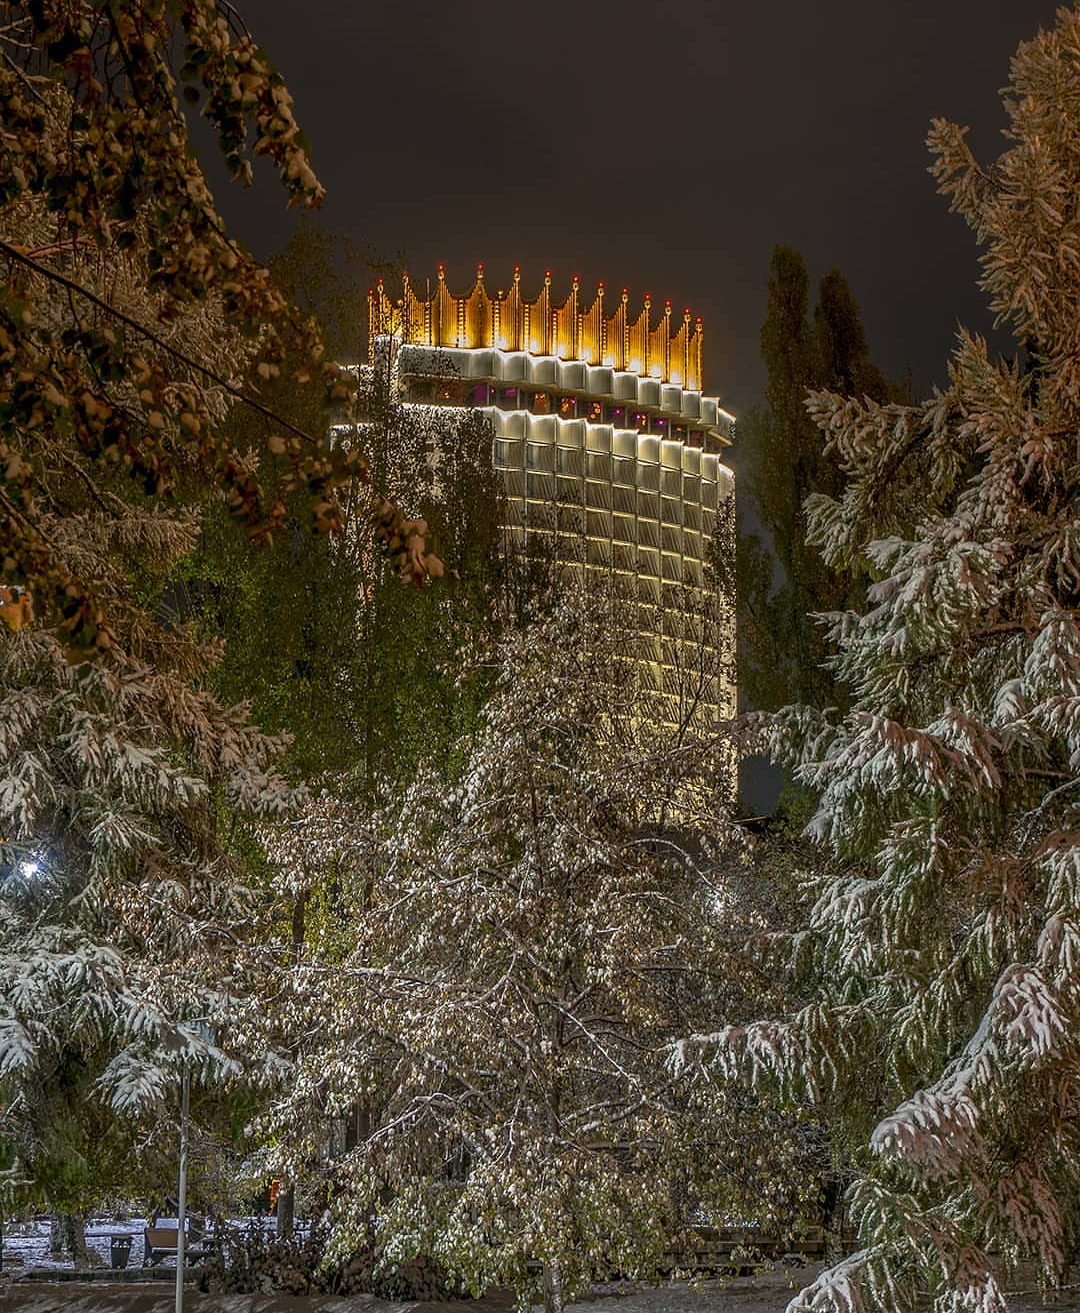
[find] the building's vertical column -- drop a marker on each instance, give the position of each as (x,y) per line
(516,320)
(443,325)
(685,335)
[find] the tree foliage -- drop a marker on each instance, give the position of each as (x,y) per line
(95,137)
(126,325)
(946,938)
(489,1009)
(782,578)
(323,640)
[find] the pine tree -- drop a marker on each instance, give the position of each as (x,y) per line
(945,937)
(782,579)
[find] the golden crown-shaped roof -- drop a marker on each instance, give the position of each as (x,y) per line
(652,345)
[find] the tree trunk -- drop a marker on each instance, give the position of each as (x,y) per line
(286,1202)
(299,917)
(553,1288)
(73,1231)
(56,1236)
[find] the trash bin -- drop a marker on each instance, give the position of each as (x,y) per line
(120,1249)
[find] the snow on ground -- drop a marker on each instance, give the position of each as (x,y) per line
(26,1244)
(768,1292)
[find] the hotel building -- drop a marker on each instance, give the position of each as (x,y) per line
(606,446)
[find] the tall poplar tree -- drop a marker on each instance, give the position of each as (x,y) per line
(321,637)
(782,579)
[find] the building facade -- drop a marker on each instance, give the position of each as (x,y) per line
(606,447)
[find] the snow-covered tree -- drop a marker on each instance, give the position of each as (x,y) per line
(120,908)
(490,978)
(127,318)
(945,938)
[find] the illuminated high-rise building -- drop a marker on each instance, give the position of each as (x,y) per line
(606,446)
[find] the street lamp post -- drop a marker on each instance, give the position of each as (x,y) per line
(202,1026)
(181,1194)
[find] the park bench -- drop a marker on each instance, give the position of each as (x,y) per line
(161,1241)
(742,1248)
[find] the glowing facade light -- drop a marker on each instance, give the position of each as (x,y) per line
(639,342)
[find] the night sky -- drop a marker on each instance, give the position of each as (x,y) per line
(666,147)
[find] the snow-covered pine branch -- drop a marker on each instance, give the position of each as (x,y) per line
(942,943)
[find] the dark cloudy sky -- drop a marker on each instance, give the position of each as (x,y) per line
(666,146)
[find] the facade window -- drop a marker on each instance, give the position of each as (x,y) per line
(540,403)
(480,395)
(641,421)
(697,438)
(508,399)
(596,412)
(451,392)
(616,415)
(568,407)
(679,431)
